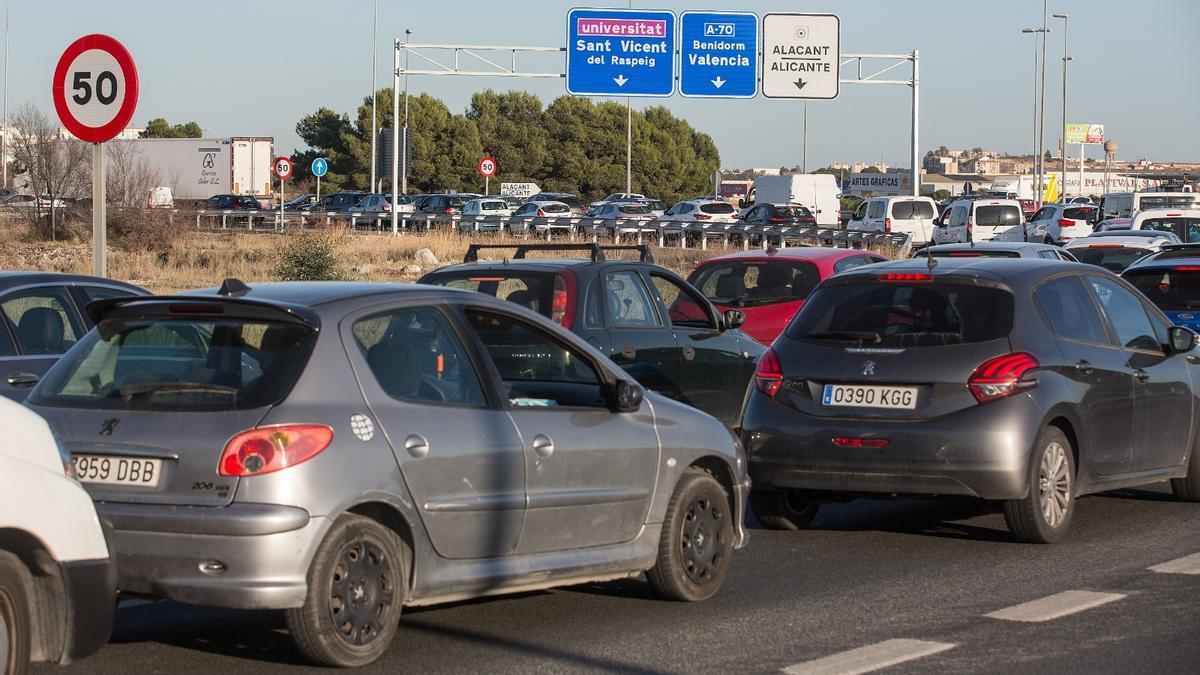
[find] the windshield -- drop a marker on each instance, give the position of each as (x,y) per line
(1172,289)
(1187,229)
(181,366)
(756,283)
(1150,201)
(1111,257)
(912,210)
(900,314)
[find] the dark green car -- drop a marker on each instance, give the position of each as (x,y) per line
(647,319)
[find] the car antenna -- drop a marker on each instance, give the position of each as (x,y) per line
(930,263)
(233,288)
(771,250)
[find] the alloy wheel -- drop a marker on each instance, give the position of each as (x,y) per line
(1054,484)
(361,593)
(703,540)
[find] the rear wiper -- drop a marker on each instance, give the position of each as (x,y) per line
(861,337)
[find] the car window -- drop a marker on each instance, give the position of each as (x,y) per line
(998,215)
(910,210)
(1070,310)
(6,342)
(958,216)
(629,303)
(718,208)
(44,318)
(1171,289)
(1079,213)
(538,370)
(851,263)
(875,210)
(94,293)
(1048,255)
(415,355)
(758,283)
(685,307)
(1042,214)
(1126,315)
(531,290)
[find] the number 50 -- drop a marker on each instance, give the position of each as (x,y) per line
(105,90)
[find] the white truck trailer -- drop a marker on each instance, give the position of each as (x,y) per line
(198,168)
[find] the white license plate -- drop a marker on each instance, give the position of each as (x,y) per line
(870,396)
(133,471)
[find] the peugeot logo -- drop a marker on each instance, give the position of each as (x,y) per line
(868,368)
(109,426)
(208,161)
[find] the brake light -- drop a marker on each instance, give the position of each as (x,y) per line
(485,278)
(269,449)
(1174,215)
(1105,245)
(1066,223)
(768,377)
(1002,376)
(965,254)
(848,442)
(905,276)
(701,216)
(887,225)
(1186,268)
(562,304)
(970,225)
(777,219)
(540,213)
(449,211)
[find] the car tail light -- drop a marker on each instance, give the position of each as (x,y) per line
(768,377)
(449,211)
(387,207)
(905,276)
(541,213)
(562,304)
(701,216)
(850,442)
(269,449)
(1066,223)
(1174,215)
(1186,268)
(1002,376)
(970,225)
(887,225)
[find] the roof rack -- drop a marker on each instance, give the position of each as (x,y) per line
(596,250)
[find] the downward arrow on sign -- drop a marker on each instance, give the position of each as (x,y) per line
(800,83)
(620,80)
(717,82)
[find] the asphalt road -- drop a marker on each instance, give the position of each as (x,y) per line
(888,578)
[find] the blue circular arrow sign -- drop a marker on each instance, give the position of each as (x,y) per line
(320,167)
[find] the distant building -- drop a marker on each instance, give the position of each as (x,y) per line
(955,184)
(127,134)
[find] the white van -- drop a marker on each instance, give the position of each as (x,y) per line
(56,576)
(1125,204)
(1184,223)
(817,191)
(981,220)
(913,216)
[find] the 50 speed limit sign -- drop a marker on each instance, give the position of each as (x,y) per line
(282,168)
(487,167)
(95,88)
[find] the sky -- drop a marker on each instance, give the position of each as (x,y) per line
(255,67)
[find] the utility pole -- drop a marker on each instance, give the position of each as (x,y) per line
(1042,109)
(1037,158)
(374,123)
(4,130)
(1066,57)
(404,155)
(804,145)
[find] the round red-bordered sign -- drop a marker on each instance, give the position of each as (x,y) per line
(487,167)
(282,168)
(83,73)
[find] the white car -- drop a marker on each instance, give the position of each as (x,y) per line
(381,203)
(1058,223)
(1184,223)
(981,220)
(487,207)
(49,522)
(913,216)
(701,210)
(1114,250)
(559,213)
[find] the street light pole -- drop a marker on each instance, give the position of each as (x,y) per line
(374,80)
(1036,157)
(1042,108)
(4,130)
(1066,57)
(404,157)
(628,139)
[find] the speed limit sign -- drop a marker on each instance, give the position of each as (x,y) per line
(95,88)
(282,168)
(487,167)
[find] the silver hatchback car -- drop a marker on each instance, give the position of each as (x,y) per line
(343,450)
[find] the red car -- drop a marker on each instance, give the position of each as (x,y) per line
(770,286)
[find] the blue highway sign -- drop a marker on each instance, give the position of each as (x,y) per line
(718,54)
(620,52)
(319,167)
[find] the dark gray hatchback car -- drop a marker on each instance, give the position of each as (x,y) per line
(1030,382)
(343,450)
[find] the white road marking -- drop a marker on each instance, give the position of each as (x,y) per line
(1055,606)
(1186,565)
(869,658)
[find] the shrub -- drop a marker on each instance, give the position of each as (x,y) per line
(308,257)
(144,230)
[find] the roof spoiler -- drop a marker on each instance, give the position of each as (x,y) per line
(595,250)
(201,306)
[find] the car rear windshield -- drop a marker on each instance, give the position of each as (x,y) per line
(1172,289)
(571,201)
(555,208)
(635,209)
(791,212)
(1187,229)
(904,314)
(1080,213)
(1172,202)
(737,283)
(998,216)
(717,208)
(177,365)
(1112,258)
(493,206)
(528,289)
(912,210)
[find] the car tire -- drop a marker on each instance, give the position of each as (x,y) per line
(15,618)
(696,544)
(1188,487)
(1044,515)
(780,510)
(361,560)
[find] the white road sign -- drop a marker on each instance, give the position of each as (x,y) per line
(801,55)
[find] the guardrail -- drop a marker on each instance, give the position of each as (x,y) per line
(665,233)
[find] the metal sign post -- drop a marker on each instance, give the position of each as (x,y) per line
(282,169)
(319,168)
(99,230)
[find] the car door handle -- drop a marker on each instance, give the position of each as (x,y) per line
(543,446)
(416,445)
(22,379)
(1084,367)
(1141,375)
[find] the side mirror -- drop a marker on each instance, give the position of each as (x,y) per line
(627,396)
(1182,339)
(734,318)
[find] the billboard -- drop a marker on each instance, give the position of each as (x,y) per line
(880,184)
(1092,134)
